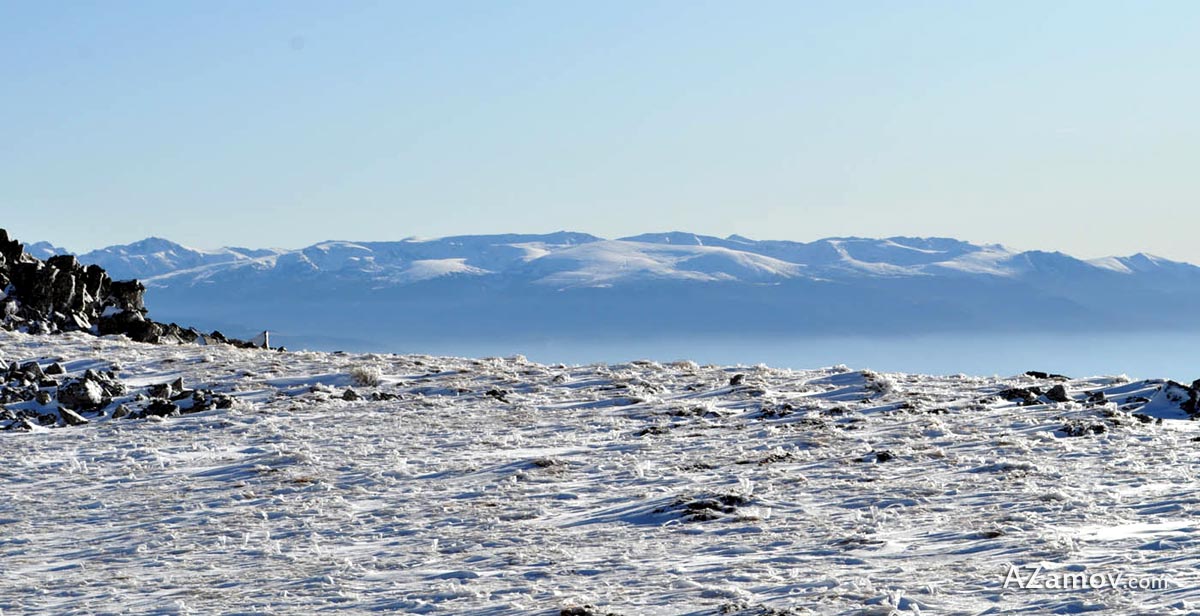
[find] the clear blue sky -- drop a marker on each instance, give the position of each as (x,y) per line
(1061,125)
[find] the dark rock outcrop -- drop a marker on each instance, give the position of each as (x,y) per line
(83,395)
(1058,393)
(61,295)
(76,399)
(1026,396)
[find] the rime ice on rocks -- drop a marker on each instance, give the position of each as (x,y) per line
(60,295)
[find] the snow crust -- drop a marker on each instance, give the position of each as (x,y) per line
(501,486)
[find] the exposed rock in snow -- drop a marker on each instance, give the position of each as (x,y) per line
(83,394)
(1058,393)
(60,295)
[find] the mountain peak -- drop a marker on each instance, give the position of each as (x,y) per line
(574,259)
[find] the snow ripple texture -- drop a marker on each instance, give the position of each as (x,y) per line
(500,486)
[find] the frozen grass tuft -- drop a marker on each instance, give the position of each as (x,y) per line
(365,376)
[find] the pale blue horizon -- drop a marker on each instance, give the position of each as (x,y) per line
(1059,126)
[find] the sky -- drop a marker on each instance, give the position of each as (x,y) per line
(1068,125)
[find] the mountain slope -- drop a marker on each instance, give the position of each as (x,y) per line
(572,284)
(155,256)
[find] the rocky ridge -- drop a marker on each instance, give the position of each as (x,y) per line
(59,294)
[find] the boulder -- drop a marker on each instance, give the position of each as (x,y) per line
(1026,396)
(1192,404)
(166,391)
(83,395)
(160,408)
(107,380)
(1058,393)
(71,418)
(32,372)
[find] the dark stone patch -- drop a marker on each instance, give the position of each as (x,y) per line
(879,457)
(707,507)
(1037,374)
(1077,429)
(1058,393)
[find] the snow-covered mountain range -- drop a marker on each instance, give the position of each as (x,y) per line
(570,283)
(569,259)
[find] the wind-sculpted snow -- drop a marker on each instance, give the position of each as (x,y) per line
(499,486)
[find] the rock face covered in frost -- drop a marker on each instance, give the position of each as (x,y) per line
(60,295)
(31,396)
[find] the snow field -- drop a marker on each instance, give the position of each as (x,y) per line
(500,486)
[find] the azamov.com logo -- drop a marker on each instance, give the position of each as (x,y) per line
(1037,577)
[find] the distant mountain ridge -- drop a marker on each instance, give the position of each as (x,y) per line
(567,283)
(580,259)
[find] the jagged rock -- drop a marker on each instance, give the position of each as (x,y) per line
(1038,374)
(59,294)
(23,393)
(160,408)
(107,380)
(55,369)
(43,398)
(71,418)
(83,394)
(11,251)
(1058,393)
(91,391)
(1024,395)
(350,395)
(166,391)
(1192,404)
(22,423)
(1077,429)
(32,372)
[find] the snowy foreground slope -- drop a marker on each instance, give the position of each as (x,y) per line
(499,486)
